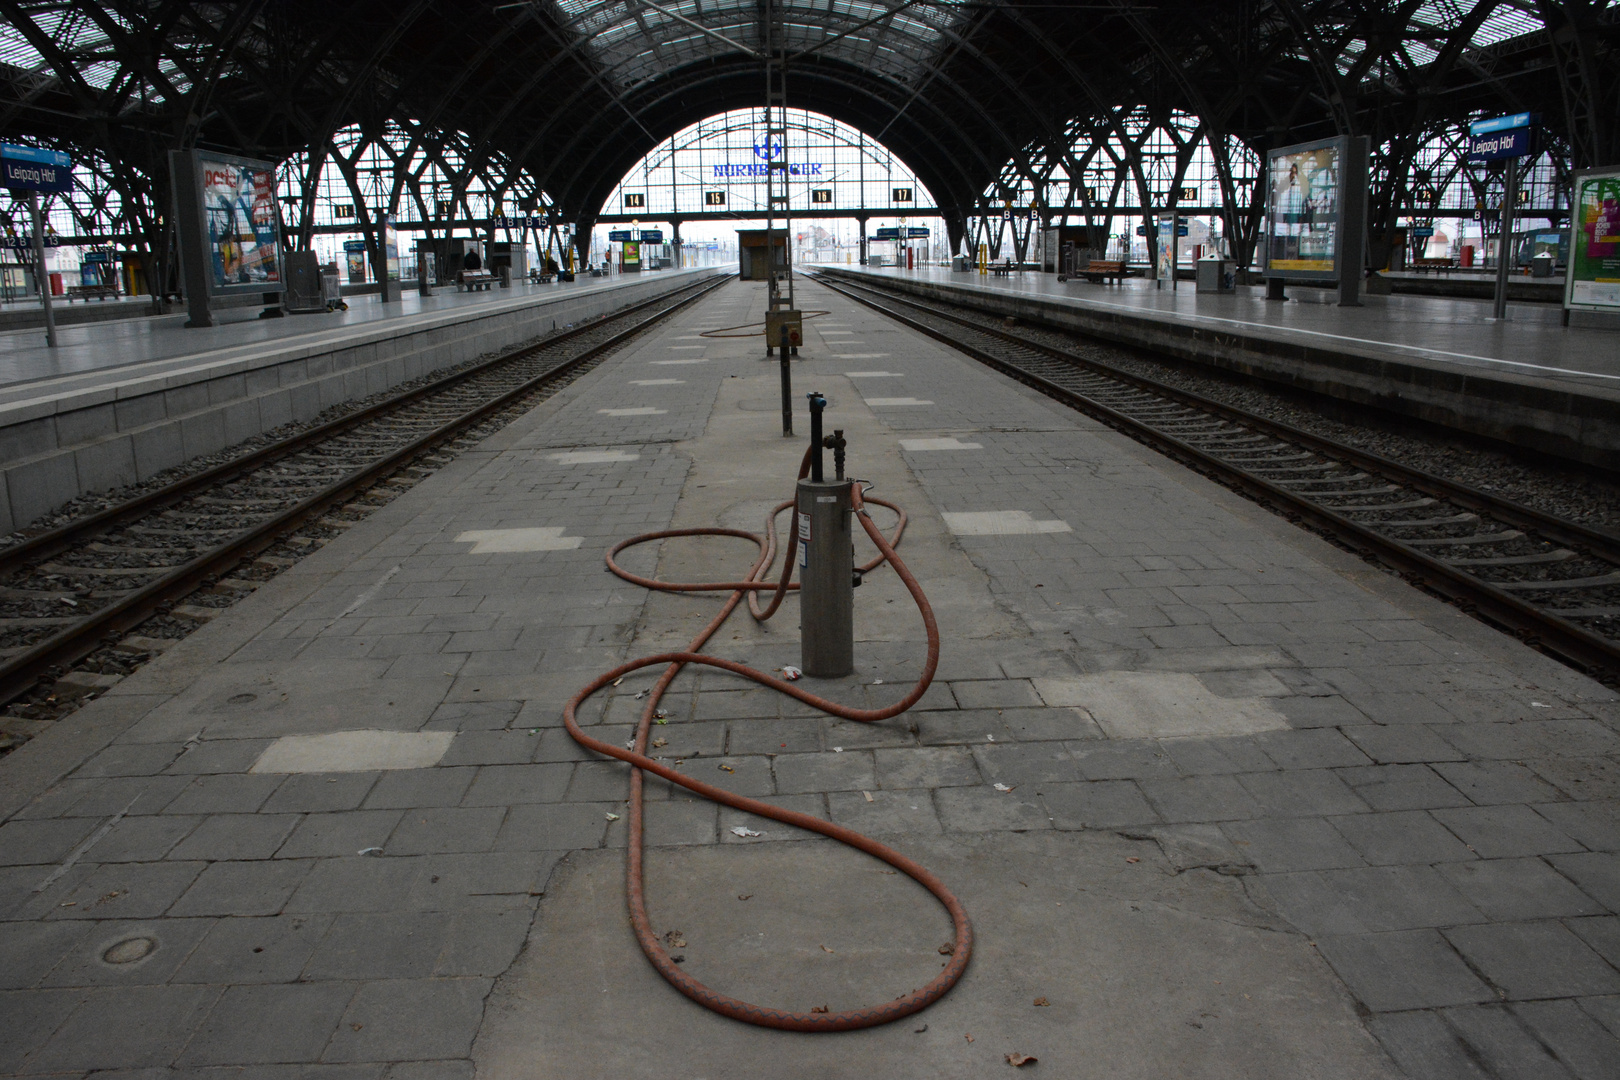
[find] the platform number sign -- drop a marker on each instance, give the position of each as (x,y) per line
(714,198)
(1188,194)
(441,208)
(821,195)
(634,199)
(901,194)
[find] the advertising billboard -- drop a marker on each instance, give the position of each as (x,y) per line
(1593,279)
(1303,210)
(241,230)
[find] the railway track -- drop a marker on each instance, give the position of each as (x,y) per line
(76,591)
(1553,583)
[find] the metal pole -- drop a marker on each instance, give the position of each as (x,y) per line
(1504,240)
(787,384)
(41,276)
(826,562)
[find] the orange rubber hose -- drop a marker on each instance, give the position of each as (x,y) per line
(640,763)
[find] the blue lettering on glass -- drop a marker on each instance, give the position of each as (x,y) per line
(768,149)
(722,172)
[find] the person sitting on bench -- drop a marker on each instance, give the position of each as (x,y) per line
(472,261)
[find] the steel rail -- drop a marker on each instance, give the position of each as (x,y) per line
(19,673)
(1573,644)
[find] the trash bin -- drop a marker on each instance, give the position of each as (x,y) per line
(959,264)
(1213,276)
(57,288)
(1541,266)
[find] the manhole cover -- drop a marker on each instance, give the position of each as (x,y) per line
(129,950)
(241,699)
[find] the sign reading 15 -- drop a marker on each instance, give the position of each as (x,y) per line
(714,198)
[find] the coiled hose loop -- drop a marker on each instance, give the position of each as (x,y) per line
(640,763)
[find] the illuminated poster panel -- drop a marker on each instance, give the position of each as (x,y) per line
(1593,279)
(1305,210)
(241,226)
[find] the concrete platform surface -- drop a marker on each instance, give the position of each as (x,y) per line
(1527,380)
(163,342)
(1221,800)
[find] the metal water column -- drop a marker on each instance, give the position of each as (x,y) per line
(826,559)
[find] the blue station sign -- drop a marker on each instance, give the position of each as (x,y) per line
(652,236)
(1502,137)
(30,169)
(621,236)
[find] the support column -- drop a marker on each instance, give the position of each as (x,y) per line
(863,221)
(675,240)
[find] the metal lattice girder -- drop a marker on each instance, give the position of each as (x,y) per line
(562,96)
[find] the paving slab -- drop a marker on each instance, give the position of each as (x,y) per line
(1211,788)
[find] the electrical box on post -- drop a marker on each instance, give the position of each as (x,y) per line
(777,321)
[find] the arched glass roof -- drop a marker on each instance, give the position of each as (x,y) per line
(634,41)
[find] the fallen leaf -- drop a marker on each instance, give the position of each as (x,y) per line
(1133,858)
(948,949)
(825,949)
(661,714)
(357,1027)
(1018,1061)
(969,1038)
(819,1009)
(1041,1002)
(660,742)
(674,940)
(919,1031)
(745,896)
(660,720)
(613,817)
(1003,788)
(727,768)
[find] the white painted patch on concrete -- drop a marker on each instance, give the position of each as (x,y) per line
(836,333)
(952,443)
(858,355)
(591,457)
(873,375)
(897,401)
(695,360)
(678,348)
(657,382)
(686,337)
(1001,523)
(354,751)
(1159,705)
(640,410)
(505,541)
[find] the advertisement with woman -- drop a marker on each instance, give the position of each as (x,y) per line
(1304,210)
(242,224)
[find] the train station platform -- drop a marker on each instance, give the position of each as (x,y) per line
(120,401)
(1528,380)
(1222,800)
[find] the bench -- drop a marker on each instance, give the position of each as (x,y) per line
(1421,265)
(1002,269)
(1099,271)
(472,280)
(85,292)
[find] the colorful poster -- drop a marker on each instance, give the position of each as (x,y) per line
(1165,241)
(631,255)
(390,247)
(239,207)
(1303,210)
(354,258)
(1594,247)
